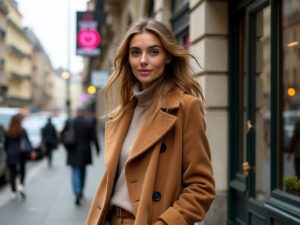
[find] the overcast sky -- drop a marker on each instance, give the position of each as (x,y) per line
(49,20)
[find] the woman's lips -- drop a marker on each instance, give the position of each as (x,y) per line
(144,72)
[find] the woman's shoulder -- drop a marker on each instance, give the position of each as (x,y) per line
(191,103)
(188,99)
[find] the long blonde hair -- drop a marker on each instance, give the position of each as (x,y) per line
(177,73)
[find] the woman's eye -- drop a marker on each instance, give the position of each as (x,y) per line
(154,52)
(135,52)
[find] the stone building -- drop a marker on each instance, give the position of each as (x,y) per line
(3,21)
(41,75)
(17,61)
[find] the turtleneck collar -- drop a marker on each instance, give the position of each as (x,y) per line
(144,96)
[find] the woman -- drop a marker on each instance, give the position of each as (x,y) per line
(158,166)
(15,138)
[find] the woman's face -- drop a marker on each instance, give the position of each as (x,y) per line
(147,58)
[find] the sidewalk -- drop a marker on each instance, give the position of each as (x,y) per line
(50,200)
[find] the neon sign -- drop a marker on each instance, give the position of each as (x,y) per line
(88,39)
(88,35)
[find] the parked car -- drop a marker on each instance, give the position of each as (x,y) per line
(33,123)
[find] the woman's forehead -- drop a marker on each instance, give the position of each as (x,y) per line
(145,39)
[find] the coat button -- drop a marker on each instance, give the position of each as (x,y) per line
(156,196)
(163,148)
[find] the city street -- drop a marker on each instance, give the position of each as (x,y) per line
(50,199)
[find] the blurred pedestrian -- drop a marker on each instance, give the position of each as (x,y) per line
(295,148)
(158,162)
(18,149)
(79,155)
(2,152)
(49,139)
(94,123)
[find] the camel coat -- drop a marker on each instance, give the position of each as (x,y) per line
(168,173)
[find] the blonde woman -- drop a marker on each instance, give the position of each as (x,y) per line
(157,157)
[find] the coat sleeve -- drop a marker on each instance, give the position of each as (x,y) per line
(197,176)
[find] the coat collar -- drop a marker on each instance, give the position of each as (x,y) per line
(153,129)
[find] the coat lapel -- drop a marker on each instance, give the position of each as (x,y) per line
(155,127)
(115,133)
(152,130)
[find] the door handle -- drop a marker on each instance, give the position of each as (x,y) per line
(249,126)
(246,168)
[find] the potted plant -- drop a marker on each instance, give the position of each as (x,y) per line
(292,185)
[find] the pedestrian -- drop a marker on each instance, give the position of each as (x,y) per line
(79,155)
(16,157)
(94,122)
(295,148)
(49,139)
(157,157)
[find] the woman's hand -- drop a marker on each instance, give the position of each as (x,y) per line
(32,155)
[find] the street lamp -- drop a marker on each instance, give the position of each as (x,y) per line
(91,89)
(67,76)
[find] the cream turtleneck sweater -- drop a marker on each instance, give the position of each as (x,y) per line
(120,196)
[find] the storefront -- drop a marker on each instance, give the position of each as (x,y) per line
(264,99)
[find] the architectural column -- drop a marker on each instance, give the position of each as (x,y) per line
(209,43)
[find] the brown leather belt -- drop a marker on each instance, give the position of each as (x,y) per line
(122,213)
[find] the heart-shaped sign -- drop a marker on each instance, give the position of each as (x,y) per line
(88,39)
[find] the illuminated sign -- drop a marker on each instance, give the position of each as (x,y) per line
(88,34)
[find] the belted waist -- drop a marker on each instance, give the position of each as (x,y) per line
(122,213)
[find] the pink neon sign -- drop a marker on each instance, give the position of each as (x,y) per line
(88,39)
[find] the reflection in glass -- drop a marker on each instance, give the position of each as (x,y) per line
(291,92)
(244,90)
(263,99)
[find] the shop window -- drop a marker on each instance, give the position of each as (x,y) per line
(180,22)
(150,9)
(178,4)
(263,104)
(290,157)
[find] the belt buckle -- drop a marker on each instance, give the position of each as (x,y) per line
(119,212)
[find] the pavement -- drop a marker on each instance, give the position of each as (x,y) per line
(50,200)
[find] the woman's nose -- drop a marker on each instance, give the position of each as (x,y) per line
(143,58)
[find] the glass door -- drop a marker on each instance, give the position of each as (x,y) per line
(250,175)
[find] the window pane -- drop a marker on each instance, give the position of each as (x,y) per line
(244,91)
(291,92)
(263,104)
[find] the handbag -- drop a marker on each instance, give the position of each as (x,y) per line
(68,138)
(25,145)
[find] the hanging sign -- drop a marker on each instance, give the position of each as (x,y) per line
(88,34)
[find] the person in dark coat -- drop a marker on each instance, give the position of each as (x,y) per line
(15,157)
(295,148)
(79,155)
(49,139)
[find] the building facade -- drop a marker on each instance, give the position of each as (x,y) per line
(17,61)
(249,56)
(26,71)
(3,21)
(59,95)
(42,75)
